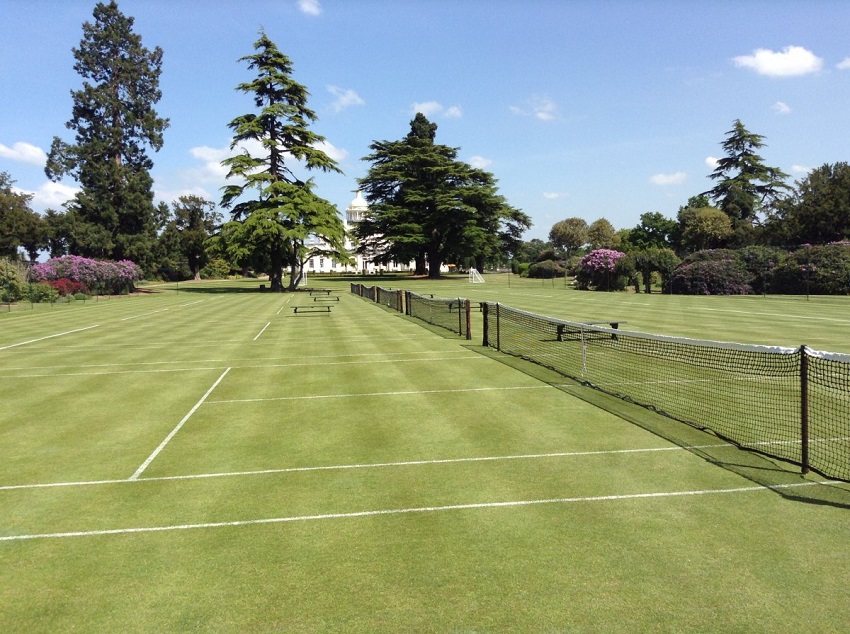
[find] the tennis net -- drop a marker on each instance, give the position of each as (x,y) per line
(450,313)
(788,403)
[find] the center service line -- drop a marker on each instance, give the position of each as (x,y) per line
(174,431)
(262,331)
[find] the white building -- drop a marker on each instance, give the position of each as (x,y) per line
(357,210)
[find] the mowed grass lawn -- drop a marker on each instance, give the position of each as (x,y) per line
(207,460)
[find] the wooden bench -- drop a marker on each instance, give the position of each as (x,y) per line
(320,291)
(611,323)
(329,298)
(312,308)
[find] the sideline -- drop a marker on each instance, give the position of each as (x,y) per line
(61,334)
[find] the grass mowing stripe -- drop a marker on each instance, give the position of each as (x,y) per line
(132,363)
(270,365)
(174,431)
(404,511)
(61,334)
(400,393)
(153,312)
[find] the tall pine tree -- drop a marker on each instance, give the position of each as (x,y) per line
(284,222)
(114,122)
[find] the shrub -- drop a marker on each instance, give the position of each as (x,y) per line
(216,269)
(819,270)
(12,281)
(598,271)
(42,292)
(711,277)
(67,287)
(546,270)
(102,276)
(522,269)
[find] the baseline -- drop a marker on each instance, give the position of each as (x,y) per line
(61,334)
(408,511)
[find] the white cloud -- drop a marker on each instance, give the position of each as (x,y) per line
(479,162)
(169,196)
(539,107)
(310,7)
(337,154)
(711,161)
(844,64)
(800,169)
(24,153)
(791,61)
(212,171)
(780,107)
(676,178)
(50,195)
(434,108)
(553,195)
(345,98)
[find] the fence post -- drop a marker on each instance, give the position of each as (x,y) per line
(485,312)
(468,319)
(400,301)
(804,409)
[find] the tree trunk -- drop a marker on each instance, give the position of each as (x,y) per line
(276,273)
(421,268)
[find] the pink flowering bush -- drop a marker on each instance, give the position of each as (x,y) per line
(99,276)
(599,270)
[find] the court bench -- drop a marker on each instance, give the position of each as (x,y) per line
(613,324)
(312,308)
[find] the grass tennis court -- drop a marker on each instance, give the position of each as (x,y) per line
(209,460)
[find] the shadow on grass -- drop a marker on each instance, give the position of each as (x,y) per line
(757,468)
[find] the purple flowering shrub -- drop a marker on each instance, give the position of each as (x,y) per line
(100,276)
(601,270)
(711,277)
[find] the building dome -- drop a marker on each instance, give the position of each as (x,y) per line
(358,208)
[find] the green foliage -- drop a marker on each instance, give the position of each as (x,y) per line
(522,269)
(427,206)
(654,231)
(13,281)
(569,235)
(217,269)
(817,270)
(602,235)
(113,216)
(745,185)
(546,269)
(20,226)
(42,292)
(819,213)
(703,228)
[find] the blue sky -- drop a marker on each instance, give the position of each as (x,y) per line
(579,108)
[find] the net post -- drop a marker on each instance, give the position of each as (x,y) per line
(400,301)
(485,312)
(459,316)
(407,303)
(468,318)
(498,337)
(804,409)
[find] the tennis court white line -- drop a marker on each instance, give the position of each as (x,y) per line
(399,393)
(262,331)
(61,334)
(286,301)
(153,312)
(407,511)
(174,431)
(248,367)
(374,465)
(190,303)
